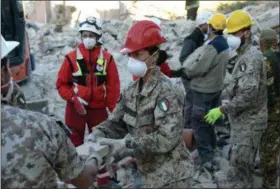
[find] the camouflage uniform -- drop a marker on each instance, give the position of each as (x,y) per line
(247,111)
(34,150)
(15,97)
(270,143)
(154,120)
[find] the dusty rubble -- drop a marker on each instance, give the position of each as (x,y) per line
(50,48)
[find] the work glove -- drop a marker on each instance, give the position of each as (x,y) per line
(95,135)
(116,145)
(213,115)
(78,105)
(87,152)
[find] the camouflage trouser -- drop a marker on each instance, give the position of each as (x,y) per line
(270,147)
(242,156)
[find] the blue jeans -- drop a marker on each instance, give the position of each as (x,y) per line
(204,133)
(188,104)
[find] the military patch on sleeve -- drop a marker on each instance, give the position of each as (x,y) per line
(163,105)
(243,67)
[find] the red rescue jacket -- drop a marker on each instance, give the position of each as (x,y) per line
(91,75)
(164,68)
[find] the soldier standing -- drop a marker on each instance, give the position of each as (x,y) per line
(270,143)
(35,149)
(10,92)
(150,114)
(247,105)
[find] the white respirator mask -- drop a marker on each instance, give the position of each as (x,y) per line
(136,67)
(139,68)
(233,42)
(89,42)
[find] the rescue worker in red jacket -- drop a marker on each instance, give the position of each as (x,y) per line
(88,80)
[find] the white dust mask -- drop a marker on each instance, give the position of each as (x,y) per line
(136,67)
(233,42)
(89,42)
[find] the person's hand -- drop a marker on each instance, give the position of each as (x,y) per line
(78,105)
(213,115)
(177,73)
(95,135)
(116,145)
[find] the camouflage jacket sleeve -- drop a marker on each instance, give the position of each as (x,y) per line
(247,78)
(168,121)
(115,127)
(18,98)
(67,163)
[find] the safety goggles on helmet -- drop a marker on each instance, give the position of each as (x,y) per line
(91,25)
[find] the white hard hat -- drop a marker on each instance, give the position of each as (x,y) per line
(92,25)
(203,18)
(7,46)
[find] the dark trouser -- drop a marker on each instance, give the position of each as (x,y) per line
(192,13)
(204,133)
(188,104)
(270,148)
(77,123)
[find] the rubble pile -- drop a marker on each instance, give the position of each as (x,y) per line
(263,7)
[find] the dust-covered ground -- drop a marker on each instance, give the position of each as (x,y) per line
(49,49)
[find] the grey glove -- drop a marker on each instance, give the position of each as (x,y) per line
(94,135)
(87,152)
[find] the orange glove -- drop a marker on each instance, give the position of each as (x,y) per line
(78,105)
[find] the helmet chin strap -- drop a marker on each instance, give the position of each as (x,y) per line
(8,96)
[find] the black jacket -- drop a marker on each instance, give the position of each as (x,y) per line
(191,42)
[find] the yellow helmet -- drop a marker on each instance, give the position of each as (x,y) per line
(238,20)
(218,21)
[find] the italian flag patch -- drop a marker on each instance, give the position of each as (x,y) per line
(163,105)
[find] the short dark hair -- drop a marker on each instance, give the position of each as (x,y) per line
(216,32)
(162,57)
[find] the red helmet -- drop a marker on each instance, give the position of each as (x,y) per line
(141,35)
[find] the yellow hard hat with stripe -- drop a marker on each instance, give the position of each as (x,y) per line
(238,20)
(218,21)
